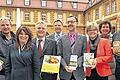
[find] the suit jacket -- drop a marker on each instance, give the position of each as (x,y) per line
(103,56)
(24,65)
(49,48)
(52,36)
(64,50)
(4,46)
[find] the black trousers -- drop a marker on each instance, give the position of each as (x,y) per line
(72,78)
(95,76)
(49,76)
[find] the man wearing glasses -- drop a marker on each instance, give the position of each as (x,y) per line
(71,48)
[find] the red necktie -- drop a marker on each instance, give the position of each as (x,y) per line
(39,47)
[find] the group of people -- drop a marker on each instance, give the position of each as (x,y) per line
(21,55)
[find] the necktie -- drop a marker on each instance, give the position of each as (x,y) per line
(72,38)
(57,37)
(39,47)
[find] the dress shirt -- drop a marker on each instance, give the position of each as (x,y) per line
(42,42)
(57,36)
(72,37)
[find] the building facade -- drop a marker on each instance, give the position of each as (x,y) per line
(28,12)
(103,10)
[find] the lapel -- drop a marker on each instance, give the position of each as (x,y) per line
(53,36)
(4,42)
(46,43)
(76,42)
(19,56)
(67,42)
(34,41)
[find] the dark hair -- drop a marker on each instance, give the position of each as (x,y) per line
(28,32)
(105,22)
(74,17)
(58,21)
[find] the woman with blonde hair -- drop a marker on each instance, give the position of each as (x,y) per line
(99,68)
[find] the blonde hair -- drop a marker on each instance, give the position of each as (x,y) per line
(5,18)
(91,26)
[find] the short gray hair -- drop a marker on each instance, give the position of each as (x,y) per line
(41,22)
(92,26)
(5,18)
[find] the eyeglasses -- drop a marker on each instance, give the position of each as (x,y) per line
(71,22)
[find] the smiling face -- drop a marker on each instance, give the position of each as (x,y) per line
(5,26)
(23,37)
(72,23)
(105,29)
(41,30)
(58,26)
(92,33)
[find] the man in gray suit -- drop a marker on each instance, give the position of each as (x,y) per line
(58,25)
(45,46)
(72,44)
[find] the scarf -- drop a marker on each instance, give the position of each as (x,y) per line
(93,46)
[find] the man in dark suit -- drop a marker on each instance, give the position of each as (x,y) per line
(72,44)
(58,25)
(45,46)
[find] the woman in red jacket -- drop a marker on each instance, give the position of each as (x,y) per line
(99,68)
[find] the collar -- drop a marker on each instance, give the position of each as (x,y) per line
(43,39)
(60,34)
(4,37)
(72,33)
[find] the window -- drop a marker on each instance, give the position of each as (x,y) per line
(44,17)
(97,14)
(27,2)
(9,15)
(74,5)
(44,3)
(59,4)
(107,9)
(113,6)
(9,2)
(27,16)
(59,17)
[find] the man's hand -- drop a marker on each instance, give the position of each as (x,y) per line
(94,64)
(69,69)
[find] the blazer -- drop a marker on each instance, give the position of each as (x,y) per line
(52,36)
(49,48)
(103,56)
(65,51)
(22,66)
(4,46)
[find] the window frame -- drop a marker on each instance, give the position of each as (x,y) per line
(44,17)
(44,3)
(26,2)
(9,2)
(59,4)
(28,16)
